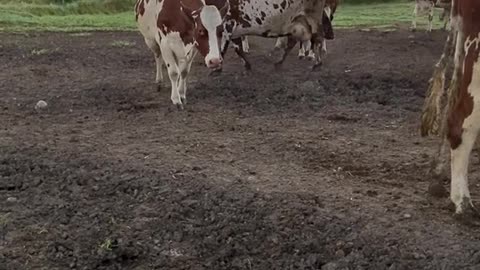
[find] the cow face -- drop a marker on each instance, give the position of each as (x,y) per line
(207,34)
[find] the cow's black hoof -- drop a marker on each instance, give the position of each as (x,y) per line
(184,100)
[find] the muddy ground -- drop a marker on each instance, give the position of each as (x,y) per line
(287,169)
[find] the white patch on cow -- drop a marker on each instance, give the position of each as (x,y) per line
(460,193)
(275,19)
(147,24)
(211,19)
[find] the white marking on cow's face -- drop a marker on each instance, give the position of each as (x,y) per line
(211,20)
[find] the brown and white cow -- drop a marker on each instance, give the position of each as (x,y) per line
(301,20)
(462,119)
(183,27)
(428,7)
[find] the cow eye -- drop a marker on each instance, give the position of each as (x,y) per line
(202,32)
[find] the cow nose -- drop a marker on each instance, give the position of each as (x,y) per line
(214,62)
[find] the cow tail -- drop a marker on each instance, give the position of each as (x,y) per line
(432,120)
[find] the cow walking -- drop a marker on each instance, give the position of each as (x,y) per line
(298,20)
(183,27)
(461,122)
(427,7)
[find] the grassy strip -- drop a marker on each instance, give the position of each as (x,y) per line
(24,17)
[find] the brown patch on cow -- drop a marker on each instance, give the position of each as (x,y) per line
(469,11)
(139,9)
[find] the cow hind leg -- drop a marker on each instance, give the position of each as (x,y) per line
(301,51)
(284,50)
(153,46)
(245,45)
(239,50)
(414,18)
(460,194)
(430,19)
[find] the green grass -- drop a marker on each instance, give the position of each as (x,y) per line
(70,17)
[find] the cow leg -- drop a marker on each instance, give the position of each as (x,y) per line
(290,44)
(239,50)
(184,71)
(171,61)
(430,19)
(245,45)
(301,51)
(460,194)
(153,46)
(414,19)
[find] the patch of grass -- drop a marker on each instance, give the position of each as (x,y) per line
(34,17)
(380,15)
(122,43)
(106,245)
(39,52)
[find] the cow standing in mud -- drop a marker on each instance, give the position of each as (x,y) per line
(298,20)
(181,28)
(461,121)
(305,47)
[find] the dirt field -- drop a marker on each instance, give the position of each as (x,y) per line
(286,169)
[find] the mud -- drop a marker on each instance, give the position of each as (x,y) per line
(287,169)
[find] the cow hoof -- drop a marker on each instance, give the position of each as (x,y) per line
(301,57)
(184,100)
(159,87)
(179,107)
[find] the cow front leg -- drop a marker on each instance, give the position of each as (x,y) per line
(182,87)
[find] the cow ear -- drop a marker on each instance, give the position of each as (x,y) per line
(224,9)
(189,11)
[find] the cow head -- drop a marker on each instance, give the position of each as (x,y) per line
(207,34)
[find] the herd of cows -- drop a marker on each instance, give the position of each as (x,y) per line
(175,30)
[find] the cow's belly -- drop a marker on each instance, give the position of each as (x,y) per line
(266,18)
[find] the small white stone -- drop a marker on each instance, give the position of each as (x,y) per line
(11,199)
(41,104)
(407,216)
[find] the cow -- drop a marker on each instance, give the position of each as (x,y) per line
(305,47)
(460,123)
(183,27)
(428,7)
(298,20)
